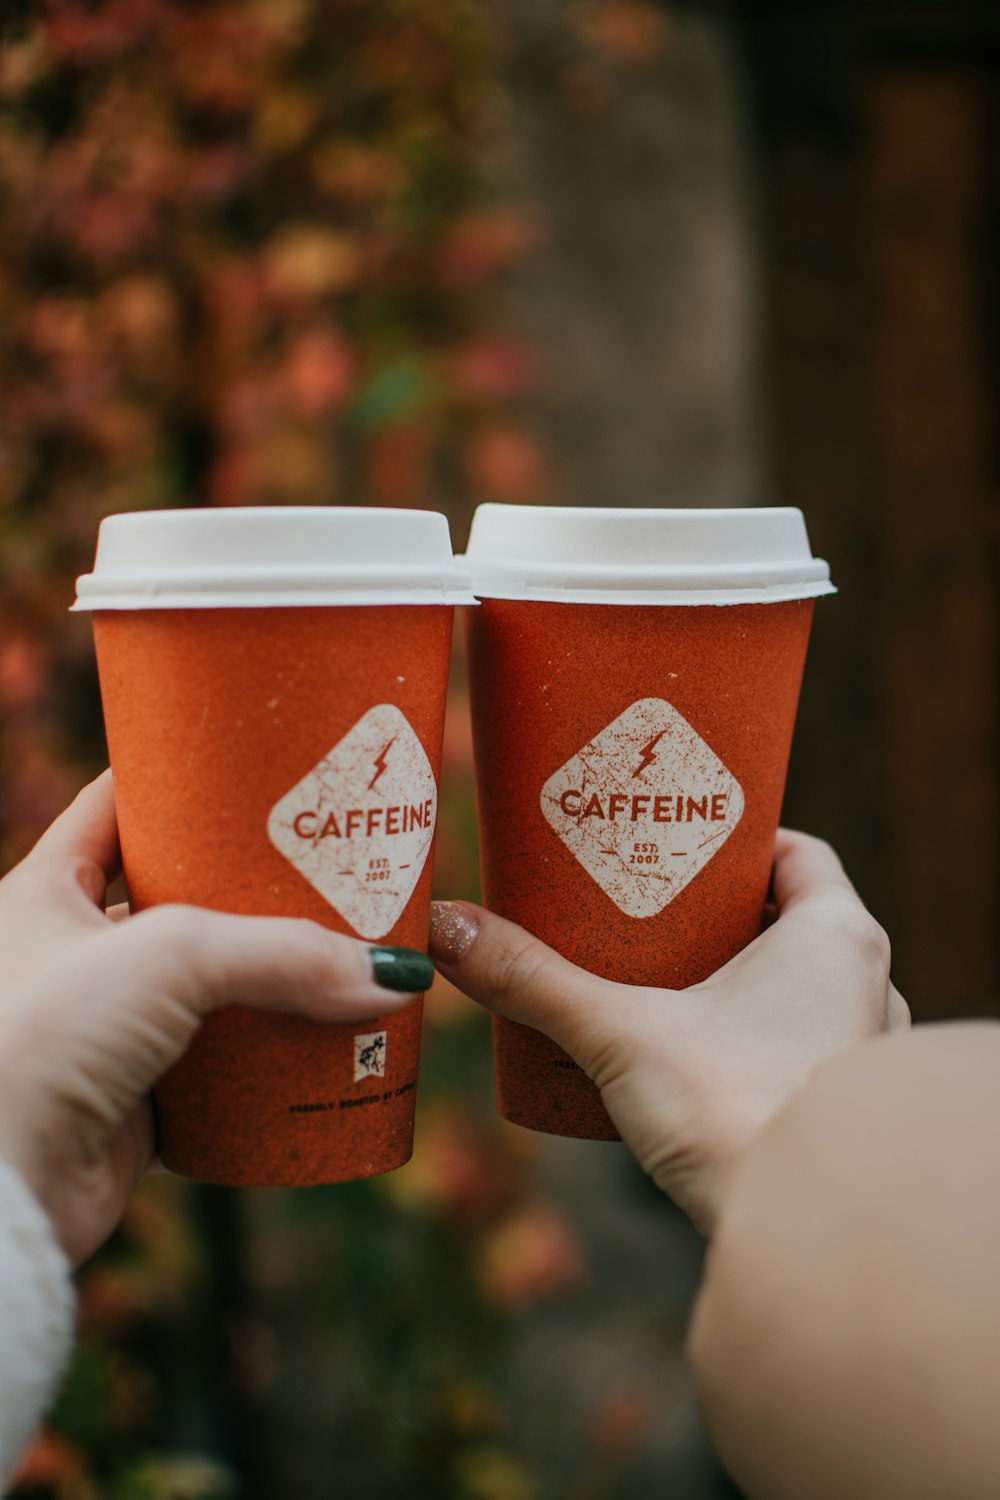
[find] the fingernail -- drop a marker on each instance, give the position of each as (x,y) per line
(454,929)
(401,969)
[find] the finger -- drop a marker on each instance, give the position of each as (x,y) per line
(141,1132)
(513,974)
(803,867)
(120,912)
(87,834)
(129,1155)
(85,1218)
(212,959)
(150,982)
(897,1011)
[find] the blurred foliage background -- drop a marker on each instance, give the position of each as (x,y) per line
(256,253)
(429,253)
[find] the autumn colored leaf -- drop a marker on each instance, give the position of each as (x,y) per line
(628,31)
(356,173)
(398,467)
(504,463)
(531,1255)
(481,245)
(489,1472)
(51,1464)
(494,367)
(462,1167)
(310,260)
(621,1417)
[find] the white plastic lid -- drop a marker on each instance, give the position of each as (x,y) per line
(254,557)
(585,556)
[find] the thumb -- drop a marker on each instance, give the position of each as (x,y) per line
(626,1038)
(621,1035)
(516,976)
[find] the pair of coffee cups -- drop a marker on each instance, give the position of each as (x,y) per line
(274,685)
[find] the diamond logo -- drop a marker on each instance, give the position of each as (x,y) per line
(644,806)
(359,827)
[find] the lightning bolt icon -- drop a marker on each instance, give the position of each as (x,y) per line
(648,753)
(379,762)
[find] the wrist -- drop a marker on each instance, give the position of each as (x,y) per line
(22,1151)
(723,1136)
(17,1157)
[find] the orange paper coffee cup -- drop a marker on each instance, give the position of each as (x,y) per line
(634,681)
(273,684)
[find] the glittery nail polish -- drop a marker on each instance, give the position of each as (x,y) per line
(454,929)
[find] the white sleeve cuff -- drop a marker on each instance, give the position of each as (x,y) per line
(36,1316)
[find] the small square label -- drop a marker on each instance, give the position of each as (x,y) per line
(369,1055)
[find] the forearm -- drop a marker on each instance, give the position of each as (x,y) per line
(847,1336)
(36,1316)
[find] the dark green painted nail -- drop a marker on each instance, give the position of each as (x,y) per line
(401,969)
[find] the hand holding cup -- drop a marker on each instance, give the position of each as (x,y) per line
(273,683)
(691,1077)
(634,676)
(98,1005)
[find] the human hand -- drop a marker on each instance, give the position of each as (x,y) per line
(690,1076)
(97,1005)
